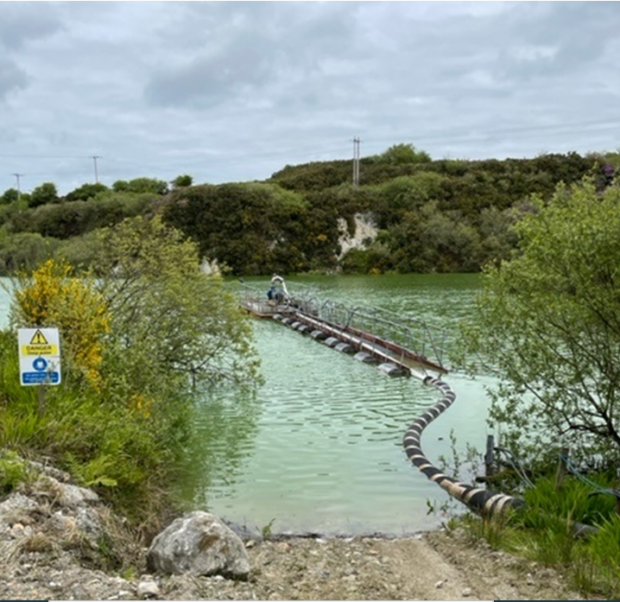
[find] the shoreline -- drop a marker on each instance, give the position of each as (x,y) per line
(61,542)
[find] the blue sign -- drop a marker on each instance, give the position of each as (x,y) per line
(39,364)
(40,378)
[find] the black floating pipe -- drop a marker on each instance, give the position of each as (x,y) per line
(482,501)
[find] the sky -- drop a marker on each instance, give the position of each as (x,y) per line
(234,91)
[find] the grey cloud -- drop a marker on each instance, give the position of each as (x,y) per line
(209,79)
(11,77)
(20,23)
(244,49)
(23,22)
(562,38)
(235,90)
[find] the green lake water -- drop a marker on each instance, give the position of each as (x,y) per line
(319,446)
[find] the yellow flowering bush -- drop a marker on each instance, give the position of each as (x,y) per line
(54,298)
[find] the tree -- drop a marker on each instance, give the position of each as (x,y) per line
(182,181)
(43,194)
(548,324)
(253,228)
(138,337)
(9,196)
(175,325)
(141,185)
(86,192)
(24,251)
(400,154)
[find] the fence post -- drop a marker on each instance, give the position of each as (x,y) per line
(561,472)
(489,469)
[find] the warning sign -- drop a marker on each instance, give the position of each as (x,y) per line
(39,344)
(38,338)
(39,356)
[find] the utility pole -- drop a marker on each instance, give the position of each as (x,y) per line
(19,190)
(95,157)
(356,161)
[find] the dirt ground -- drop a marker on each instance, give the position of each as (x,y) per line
(433,566)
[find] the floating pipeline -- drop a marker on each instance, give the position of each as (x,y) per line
(482,501)
(333,325)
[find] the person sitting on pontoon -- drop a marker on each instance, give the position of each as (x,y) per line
(278,291)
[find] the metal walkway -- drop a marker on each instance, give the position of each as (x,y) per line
(398,344)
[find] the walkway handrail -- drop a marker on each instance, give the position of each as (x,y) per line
(400,330)
(410,333)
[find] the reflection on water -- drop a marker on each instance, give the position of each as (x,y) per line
(319,447)
(225,429)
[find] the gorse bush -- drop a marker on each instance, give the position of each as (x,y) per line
(138,340)
(53,297)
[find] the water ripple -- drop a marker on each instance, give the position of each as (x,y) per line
(322,443)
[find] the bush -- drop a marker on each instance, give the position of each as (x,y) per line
(136,343)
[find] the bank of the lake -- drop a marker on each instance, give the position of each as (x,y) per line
(52,548)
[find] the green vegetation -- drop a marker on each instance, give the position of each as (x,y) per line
(117,269)
(13,471)
(430,215)
(548,323)
(139,338)
(543,532)
(250,228)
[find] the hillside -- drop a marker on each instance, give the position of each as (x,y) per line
(421,215)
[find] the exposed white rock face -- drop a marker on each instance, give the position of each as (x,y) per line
(211,268)
(365,231)
(200,544)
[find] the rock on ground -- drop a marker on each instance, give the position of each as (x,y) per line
(200,544)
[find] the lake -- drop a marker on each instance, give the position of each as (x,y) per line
(319,446)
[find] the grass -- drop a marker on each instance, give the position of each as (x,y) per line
(544,532)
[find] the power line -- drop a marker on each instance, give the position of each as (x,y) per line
(464,135)
(197,158)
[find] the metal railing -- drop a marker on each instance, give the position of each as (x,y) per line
(382,326)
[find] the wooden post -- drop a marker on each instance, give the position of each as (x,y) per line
(561,472)
(489,468)
(41,400)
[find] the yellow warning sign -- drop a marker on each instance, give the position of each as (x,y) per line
(38,338)
(39,350)
(39,345)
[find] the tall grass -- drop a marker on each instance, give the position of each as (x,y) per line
(544,531)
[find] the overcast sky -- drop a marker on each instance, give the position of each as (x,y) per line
(233,91)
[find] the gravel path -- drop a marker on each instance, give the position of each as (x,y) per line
(434,566)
